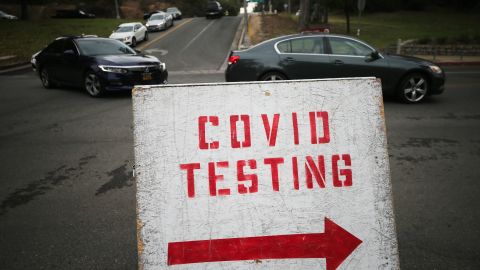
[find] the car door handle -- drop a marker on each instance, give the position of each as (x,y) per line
(338,62)
(289,59)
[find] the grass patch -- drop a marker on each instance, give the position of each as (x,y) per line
(23,38)
(383,29)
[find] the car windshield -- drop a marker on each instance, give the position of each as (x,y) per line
(156,17)
(212,5)
(123,29)
(2,13)
(92,47)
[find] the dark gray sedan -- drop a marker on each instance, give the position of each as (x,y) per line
(312,56)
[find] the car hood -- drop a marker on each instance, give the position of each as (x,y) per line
(127,60)
(155,22)
(405,58)
(121,35)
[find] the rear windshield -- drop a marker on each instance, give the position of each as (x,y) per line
(156,17)
(123,29)
(212,5)
(171,9)
(92,47)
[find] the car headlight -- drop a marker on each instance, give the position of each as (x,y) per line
(113,69)
(163,66)
(435,69)
(126,38)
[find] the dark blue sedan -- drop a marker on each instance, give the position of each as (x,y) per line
(96,64)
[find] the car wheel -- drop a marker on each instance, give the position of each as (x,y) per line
(145,38)
(413,88)
(93,85)
(273,76)
(45,78)
(134,42)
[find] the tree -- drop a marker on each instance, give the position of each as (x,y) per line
(304,18)
(347,8)
(24,9)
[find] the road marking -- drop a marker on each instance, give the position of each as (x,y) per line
(196,72)
(190,43)
(157,51)
(27,66)
(141,47)
(201,32)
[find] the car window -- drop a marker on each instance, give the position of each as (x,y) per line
(69,46)
(92,47)
(156,17)
(343,46)
(309,45)
(124,29)
(55,47)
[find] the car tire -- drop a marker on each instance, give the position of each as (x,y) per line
(413,88)
(273,76)
(45,78)
(92,85)
(134,42)
(145,38)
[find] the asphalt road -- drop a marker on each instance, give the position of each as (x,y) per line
(67,197)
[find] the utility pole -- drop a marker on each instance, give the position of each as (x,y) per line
(116,9)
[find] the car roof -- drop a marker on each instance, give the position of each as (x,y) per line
(129,24)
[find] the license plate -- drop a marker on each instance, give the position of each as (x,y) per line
(147,76)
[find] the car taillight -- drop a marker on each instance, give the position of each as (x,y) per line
(233,59)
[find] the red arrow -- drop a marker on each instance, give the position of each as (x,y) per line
(335,244)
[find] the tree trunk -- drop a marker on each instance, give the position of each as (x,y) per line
(347,14)
(325,16)
(304,19)
(301,21)
(24,9)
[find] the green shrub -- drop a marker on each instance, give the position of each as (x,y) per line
(231,6)
(425,40)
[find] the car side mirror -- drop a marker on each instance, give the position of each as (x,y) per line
(372,56)
(138,51)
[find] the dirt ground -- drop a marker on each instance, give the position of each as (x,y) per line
(263,27)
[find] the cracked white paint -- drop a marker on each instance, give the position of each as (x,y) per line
(166,135)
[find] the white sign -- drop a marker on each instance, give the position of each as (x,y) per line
(283,175)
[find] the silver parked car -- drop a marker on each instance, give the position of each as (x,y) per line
(159,21)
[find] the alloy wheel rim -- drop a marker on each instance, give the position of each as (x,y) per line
(274,77)
(44,78)
(415,89)
(92,84)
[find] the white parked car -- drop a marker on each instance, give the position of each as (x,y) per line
(159,21)
(130,33)
(6,16)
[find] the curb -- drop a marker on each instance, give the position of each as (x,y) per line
(13,65)
(235,44)
(471,63)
